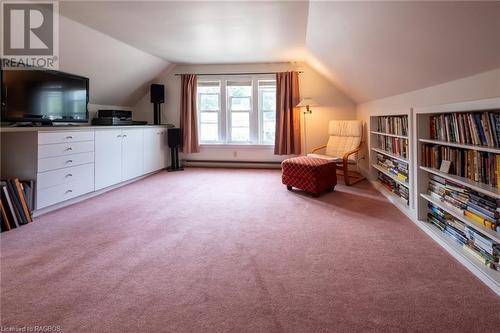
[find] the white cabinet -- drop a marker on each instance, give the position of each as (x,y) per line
(65,166)
(118,156)
(155,149)
(132,153)
(108,158)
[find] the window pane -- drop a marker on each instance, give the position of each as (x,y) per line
(269,100)
(240,119)
(240,134)
(209,102)
(268,131)
(209,87)
(209,117)
(209,132)
(239,91)
(269,116)
(240,103)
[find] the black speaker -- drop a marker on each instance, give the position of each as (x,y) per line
(174,142)
(157,93)
(174,137)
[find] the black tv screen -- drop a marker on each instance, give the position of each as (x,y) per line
(36,95)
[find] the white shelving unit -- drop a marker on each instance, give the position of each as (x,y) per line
(375,133)
(421,128)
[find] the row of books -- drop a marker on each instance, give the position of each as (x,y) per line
(397,125)
(395,167)
(478,207)
(476,128)
(394,187)
(474,242)
(396,146)
(478,166)
(17,203)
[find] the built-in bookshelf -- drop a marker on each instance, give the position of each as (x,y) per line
(390,151)
(458,204)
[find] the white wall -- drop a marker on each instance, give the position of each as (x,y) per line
(479,86)
(118,72)
(333,104)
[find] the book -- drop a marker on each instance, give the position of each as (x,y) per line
(5,223)
(9,207)
(16,202)
(479,220)
(22,199)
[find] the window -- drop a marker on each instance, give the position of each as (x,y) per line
(209,109)
(237,110)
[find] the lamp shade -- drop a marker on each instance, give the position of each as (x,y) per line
(306,101)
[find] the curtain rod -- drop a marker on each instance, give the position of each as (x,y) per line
(262,73)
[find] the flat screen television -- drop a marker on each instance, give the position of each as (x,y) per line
(43,96)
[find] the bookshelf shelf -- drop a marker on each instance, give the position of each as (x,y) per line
(388,174)
(489,276)
(426,124)
(479,187)
(451,210)
(464,146)
(386,151)
(383,152)
(388,134)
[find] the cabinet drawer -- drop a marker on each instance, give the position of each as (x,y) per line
(53,163)
(56,194)
(62,149)
(64,137)
(84,173)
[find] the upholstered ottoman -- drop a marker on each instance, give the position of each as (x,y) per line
(313,175)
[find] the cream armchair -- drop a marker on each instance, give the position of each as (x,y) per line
(346,138)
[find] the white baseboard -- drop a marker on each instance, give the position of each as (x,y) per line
(232,164)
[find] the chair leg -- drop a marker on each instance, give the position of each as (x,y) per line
(345,168)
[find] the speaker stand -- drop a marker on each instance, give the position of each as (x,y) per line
(157,113)
(174,157)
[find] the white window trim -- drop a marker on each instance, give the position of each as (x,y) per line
(256,121)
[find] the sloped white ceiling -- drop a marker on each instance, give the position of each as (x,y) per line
(201,32)
(117,71)
(369,50)
(380,49)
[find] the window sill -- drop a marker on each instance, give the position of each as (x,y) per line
(236,146)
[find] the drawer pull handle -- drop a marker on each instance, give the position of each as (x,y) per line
(69,137)
(124,135)
(69,191)
(69,148)
(69,161)
(69,175)
(118,136)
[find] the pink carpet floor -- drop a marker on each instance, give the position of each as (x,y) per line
(213,250)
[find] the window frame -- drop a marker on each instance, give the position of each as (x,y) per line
(256,120)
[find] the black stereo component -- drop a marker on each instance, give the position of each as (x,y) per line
(110,121)
(122,114)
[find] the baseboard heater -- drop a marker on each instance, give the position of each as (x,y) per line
(231,164)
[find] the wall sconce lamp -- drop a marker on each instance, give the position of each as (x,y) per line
(307,103)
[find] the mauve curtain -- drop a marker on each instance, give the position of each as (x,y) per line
(287,141)
(189,116)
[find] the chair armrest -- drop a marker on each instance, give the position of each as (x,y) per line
(349,153)
(318,148)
